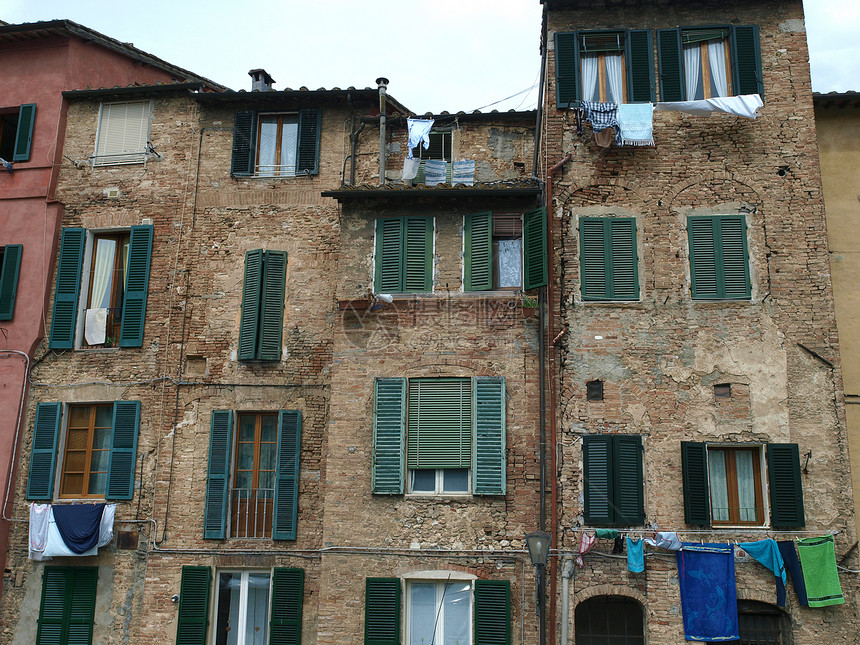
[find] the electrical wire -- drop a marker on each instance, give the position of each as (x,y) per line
(528,89)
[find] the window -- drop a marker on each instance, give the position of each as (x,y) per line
(10,266)
(276,144)
(609,620)
(723,484)
(613,479)
(440,149)
(719,262)
(16,132)
(99,450)
(261,327)
(723,391)
(608,258)
(123,133)
(501,250)
(439,612)
(68,607)
(404,255)
(114,285)
(594,391)
(449,433)
(263,499)
(762,624)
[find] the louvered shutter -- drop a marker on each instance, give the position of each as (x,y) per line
(593,258)
(68,285)
(43,452)
(24,134)
(640,66)
(624,275)
(67,610)
(287,475)
(272,305)
(746,60)
(218,477)
(489,468)
(193,620)
(9,279)
(136,286)
(417,263)
(382,611)
(694,467)
(285,618)
(669,64)
(389,249)
(735,261)
(492,612)
(123,450)
(629,497)
(123,133)
(566,69)
(82,605)
(703,257)
(535,249)
(478,256)
(389,430)
(244,137)
(597,479)
(786,490)
(309,141)
(251,291)
(439,423)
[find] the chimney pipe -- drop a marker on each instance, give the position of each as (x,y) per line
(382,82)
(260,80)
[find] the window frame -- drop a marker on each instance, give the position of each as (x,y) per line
(585,609)
(704,71)
(103,154)
(605,248)
(438,607)
(23,124)
(78,587)
(610,486)
(87,472)
(390,253)
(246,130)
(245,575)
(707,253)
(264,300)
(122,238)
(732,493)
(10,268)
(235,500)
(280,122)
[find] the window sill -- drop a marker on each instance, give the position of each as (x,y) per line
(97,349)
(437,496)
(738,302)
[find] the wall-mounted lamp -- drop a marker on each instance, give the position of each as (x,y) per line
(538,545)
(808,456)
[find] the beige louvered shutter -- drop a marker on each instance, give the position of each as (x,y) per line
(123,133)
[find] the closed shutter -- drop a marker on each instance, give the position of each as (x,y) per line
(719,263)
(218,477)
(136,286)
(123,450)
(388,255)
(285,618)
(597,479)
(703,257)
(244,136)
(609,258)
(625,264)
(629,498)
(65,313)
(535,248)
(746,60)
(593,259)
(24,135)
(193,620)
(439,429)
(272,305)
(67,610)
(492,612)
(9,271)
(640,66)
(43,453)
(123,133)
(489,468)
(389,430)
(735,261)
(382,611)
(694,467)
(82,605)
(478,252)
(669,65)
(786,490)
(417,245)
(250,322)
(566,69)
(309,141)
(287,475)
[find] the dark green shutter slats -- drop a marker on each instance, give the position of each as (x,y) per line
(9,279)
(613,479)
(746,60)
(218,477)
(492,612)
(735,262)
(68,284)
(388,255)
(67,611)
(382,611)
(535,248)
(404,254)
(309,141)
(593,258)
(43,453)
(244,134)
(389,430)
(478,256)
(272,305)
(488,455)
(439,423)
(24,135)
(285,617)
(786,490)
(566,68)
(82,605)
(608,258)
(624,276)
(597,479)
(640,66)
(287,475)
(193,621)
(418,242)
(669,64)
(694,467)
(123,450)
(719,263)
(250,321)
(629,494)
(703,260)
(136,286)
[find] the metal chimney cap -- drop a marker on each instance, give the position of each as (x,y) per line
(382,81)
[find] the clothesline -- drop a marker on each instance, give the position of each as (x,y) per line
(752,531)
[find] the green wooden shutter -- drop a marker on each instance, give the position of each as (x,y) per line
(492,612)
(534,248)
(593,257)
(9,279)
(43,453)
(624,275)
(439,423)
(786,490)
(218,478)
(694,467)
(640,66)
(65,314)
(82,605)
(272,305)
(287,475)
(382,611)
(244,137)
(489,468)
(193,621)
(597,479)
(719,263)
(308,153)
(136,286)
(67,610)
(123,450)
(251,291)
(669,64)
(746,60)
(566,68)
(478,252)
(703,257)
(389,252)
(285,617)
(417,254)
(628,484)
(735,266)
(389,430)
(24,135)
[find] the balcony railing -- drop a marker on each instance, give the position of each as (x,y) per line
(252,512)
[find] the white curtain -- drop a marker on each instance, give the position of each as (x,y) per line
(103,274)
(719,489)
(422,612)
(613,77)
(692,69)
(510,263)
(590,91)
(746,485)
(458,613)
(717,59)
(257,614)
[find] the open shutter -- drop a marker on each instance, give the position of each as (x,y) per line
(669,64)
(82,605)
(492,612)
(566,68)
(439,423)
(746,60)
(597,479)
(244,135)
(389,430)
(309,142)
(478,252)
(734,264)
(65,314)
(593,258)
(488,456)
(251,290)
(382,611)
(218,477)
(629,481)
(136,286)
(272,306)
(24,135)
(534,251)
(193,620)
(703,257)
(640,66)
(694,466)
(418,246)
(285,618)
(9,279)
(389,233)
(287,475)
(624,277)
(786,491)
(43,453)
(123,450)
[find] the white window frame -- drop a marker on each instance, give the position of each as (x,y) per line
(243,602)
(440,483)
(104,154)
(440,579)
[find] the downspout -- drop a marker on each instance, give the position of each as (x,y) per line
(24,382)
(539,117)
(382,82)
(566,573)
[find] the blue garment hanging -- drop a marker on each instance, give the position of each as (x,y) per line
(635,555)
(78,524)
(709,601)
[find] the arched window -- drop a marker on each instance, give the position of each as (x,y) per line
(762,624)
(609,620)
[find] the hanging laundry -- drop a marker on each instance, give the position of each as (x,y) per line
(79,525)
(745,105)
(818,561)
(95,326)
(618,545)
(635,555)
(792,565)
(604,138)
(419,132)
(39,515)
(665,540)
(464,172)
(435,171)
(410,168)
(586,543)
(767,553)
(606,534)
(709,604)
(55,544)
(601,115)
(635,124)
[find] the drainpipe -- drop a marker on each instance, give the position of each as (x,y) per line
(566,574)
(382,82)
(539,116)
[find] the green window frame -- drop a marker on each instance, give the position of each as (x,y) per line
(16,132)
(245,143)
(609,260)
(613,479)
(10,268)
(263,292)
(68,606)
(719,258)
(404,255)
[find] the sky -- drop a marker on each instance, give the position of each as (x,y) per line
(444,55)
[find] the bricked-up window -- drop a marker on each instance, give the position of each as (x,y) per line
(123,133)
(67,610)
(404,255)
(276,144)
(762,624)
(263,291)
(608,258)
(613,479)
(609,619)
(16,132)
(504,251)
(10,267)
(719,261)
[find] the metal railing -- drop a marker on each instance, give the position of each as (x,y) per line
(251,512)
